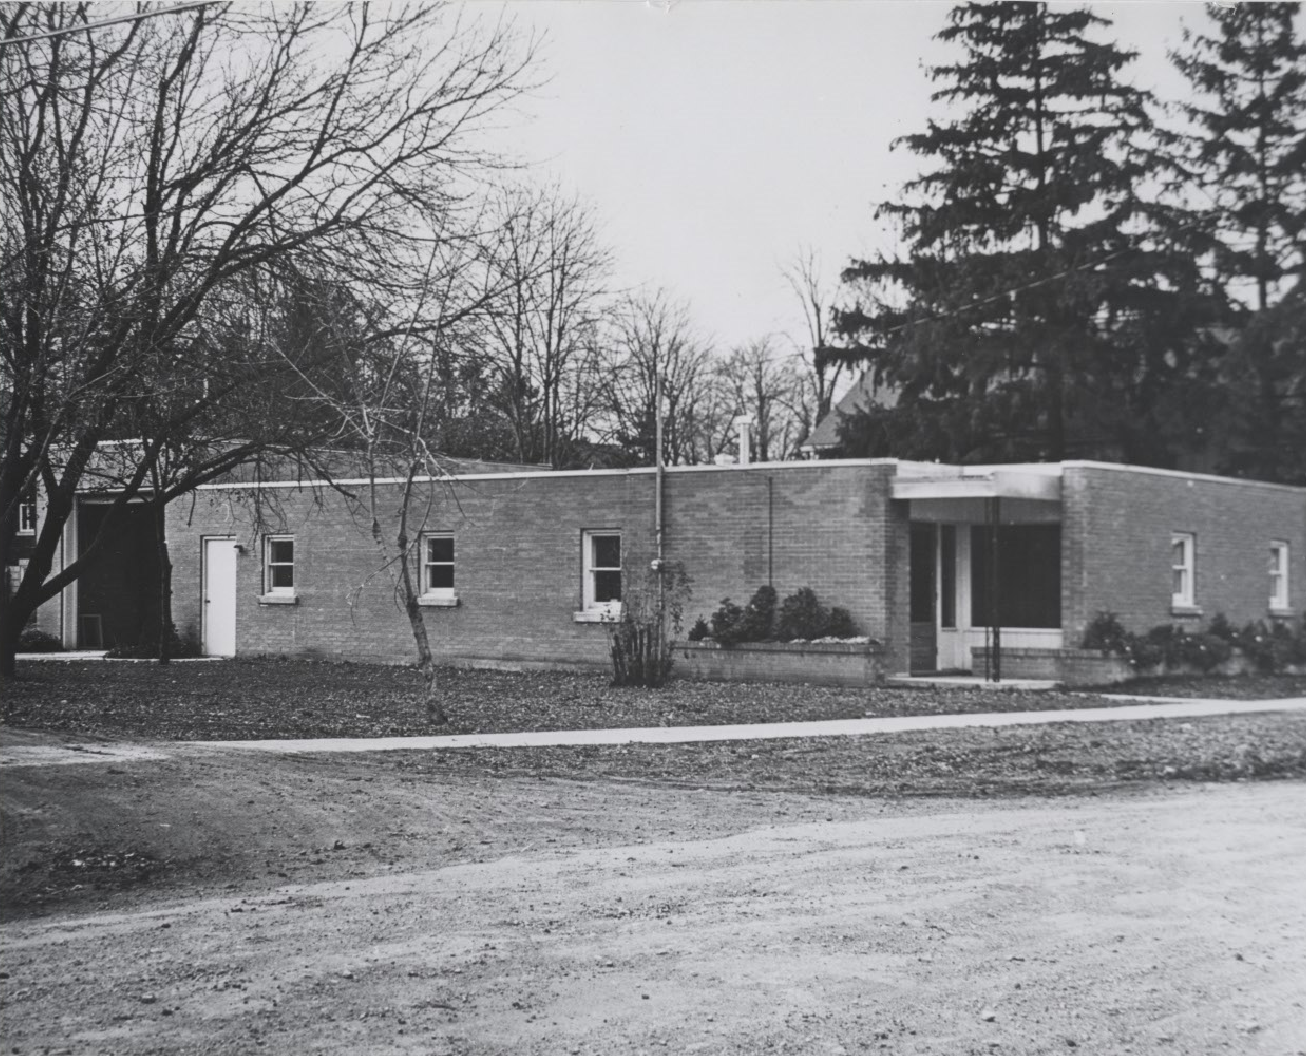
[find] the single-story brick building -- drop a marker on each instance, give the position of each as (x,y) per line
(520,568)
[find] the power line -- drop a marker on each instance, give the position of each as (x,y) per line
(86,26)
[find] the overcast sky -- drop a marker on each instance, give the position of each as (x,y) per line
(714,137)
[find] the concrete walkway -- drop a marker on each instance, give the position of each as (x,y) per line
(770,731)
(1144,708)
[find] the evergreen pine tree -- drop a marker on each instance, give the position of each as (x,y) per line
(1242,162)
(1029,317)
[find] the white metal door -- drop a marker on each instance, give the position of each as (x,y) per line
(219,597)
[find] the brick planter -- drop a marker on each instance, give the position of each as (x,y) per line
(1074,667)
(1092,667)
(823,663)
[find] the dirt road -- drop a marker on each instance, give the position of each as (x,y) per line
(542,916)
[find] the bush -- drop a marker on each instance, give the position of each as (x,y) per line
(728,623)
(147,648)
(1270,648)
(759,616)
(1204,651)
(802,616)
(699,631)
(640,642)
(35,641)
(1222,628)
(840,624)
(1107,633)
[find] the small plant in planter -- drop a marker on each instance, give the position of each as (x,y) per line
(1107,633)
(840,624)
(728,623)
(802,616)
(759,615)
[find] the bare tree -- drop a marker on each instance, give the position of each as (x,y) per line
(816,298)
(763,385)
(386,406)
(551,267)
(651,334)
(151,167)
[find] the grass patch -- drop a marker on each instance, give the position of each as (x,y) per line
(256,699)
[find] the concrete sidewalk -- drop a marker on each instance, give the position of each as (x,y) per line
(1171,709)
(1145,708)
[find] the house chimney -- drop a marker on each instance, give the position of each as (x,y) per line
(742,422)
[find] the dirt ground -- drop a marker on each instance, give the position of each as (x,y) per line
(230,904)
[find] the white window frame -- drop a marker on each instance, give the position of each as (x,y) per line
(592,610)
(27,517)
(437,596)
(14,574)
(270,591)
(1185,597)
(1279,555)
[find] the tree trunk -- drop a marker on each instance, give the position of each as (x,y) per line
(8,641)
(165,584)
(435,712)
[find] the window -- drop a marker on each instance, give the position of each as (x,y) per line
(1028,579)
(279,565)
(1279,576)
(438,570)
(16,576)
(27,517)
(1182,554)
(601,572)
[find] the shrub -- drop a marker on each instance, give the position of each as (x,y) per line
(1270,648)
(840,624)
(35,641)
(1204,651)
(728,623)
(1107,633)
(802,616)
(1222,628)
(148,647)
(640,642)
(699,631)
(759,616)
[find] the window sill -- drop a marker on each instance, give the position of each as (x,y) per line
(1281,614)
(438,601)
(598,616)
(278,599)
(1185,610)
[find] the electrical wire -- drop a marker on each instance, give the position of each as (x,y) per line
(86,26)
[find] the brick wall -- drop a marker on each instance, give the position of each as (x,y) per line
(1116,533)
(518,564)
(825,664)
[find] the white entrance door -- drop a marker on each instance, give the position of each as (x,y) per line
(954,610)
(219,597)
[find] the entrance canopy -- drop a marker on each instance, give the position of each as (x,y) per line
(960,494)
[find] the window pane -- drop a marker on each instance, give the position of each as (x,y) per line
(283,551)
(1178,553)
(440,548)
(1178,579)
(607,586)
(1029,575)
(607,551)
(948,576)
(922,573)
(283,575)
(1276,560)
(439,577)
